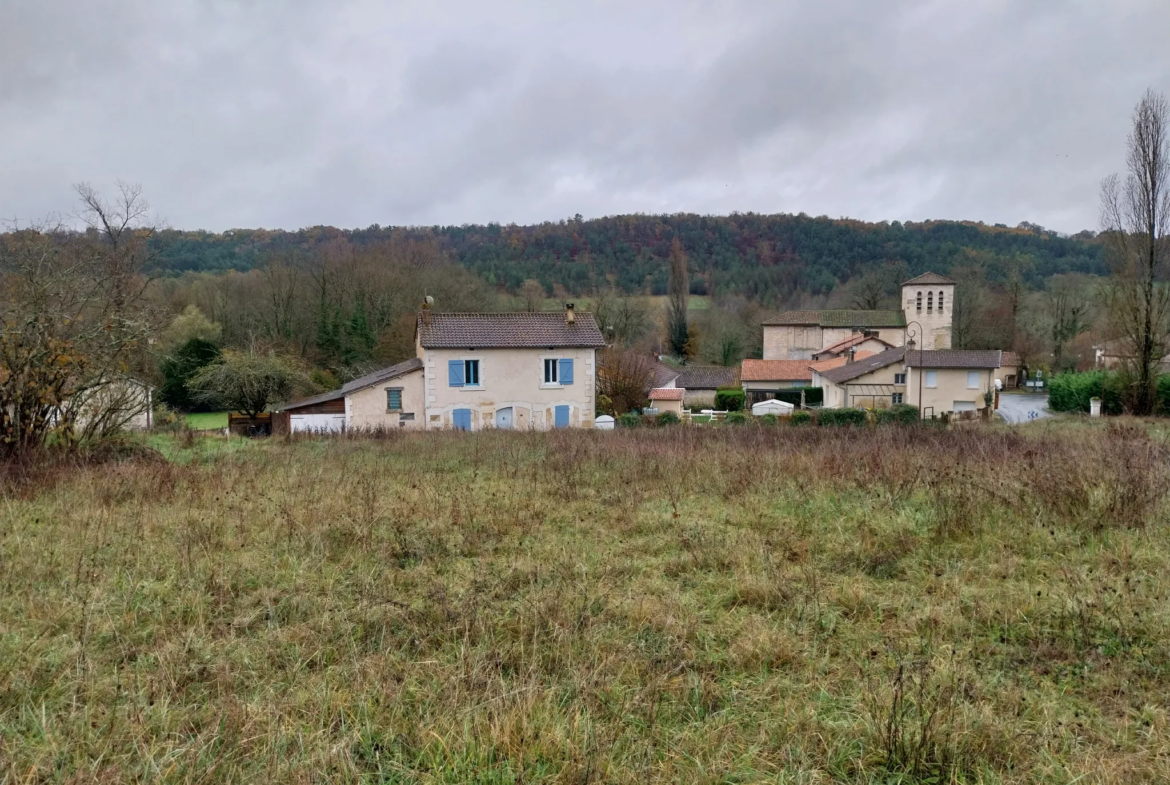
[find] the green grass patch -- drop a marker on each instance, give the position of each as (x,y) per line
(207,421)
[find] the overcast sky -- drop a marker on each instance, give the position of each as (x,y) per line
(289,113)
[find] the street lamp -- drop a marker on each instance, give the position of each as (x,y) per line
(910,344)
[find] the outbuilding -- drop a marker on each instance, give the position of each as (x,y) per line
(388,398)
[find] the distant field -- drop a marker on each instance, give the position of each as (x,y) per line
(206,421)
(737,604)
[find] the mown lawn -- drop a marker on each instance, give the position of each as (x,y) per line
(207,421)
(752,604)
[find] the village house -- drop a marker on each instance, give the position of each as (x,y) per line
(388,398)
(865,341)
(700,383)
(473,371)
(509,370)
(927,309)
(875,381)
(950,380)
(762,379)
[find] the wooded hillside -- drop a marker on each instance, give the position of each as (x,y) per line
(772,259)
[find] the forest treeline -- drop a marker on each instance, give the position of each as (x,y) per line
(774,260)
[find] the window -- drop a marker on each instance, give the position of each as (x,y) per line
(931,379)
(899,378)
(972,380)
(918,299)
(406,417)
(463,373)
(896,398)
(940,302)
(393,399)
(557,371)
(930,302)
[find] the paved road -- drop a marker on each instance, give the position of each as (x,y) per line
(1023,407)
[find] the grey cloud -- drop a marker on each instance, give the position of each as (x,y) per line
(289,114)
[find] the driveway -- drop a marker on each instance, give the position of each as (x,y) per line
(1023,407)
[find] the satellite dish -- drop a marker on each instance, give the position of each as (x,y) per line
(430,300)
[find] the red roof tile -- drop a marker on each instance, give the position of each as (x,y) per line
(509,331)
(667,394)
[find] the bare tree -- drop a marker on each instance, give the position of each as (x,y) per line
(624,377)
(1135,220)
(1067,312)
(623,320)
(676,307)
(532,293)
(74,324)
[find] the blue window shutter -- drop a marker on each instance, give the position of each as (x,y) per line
(562,417)
(455,372)
(566,371)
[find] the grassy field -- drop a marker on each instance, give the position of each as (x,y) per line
(751,604)
(207,421)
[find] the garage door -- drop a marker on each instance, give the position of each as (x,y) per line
(317,423)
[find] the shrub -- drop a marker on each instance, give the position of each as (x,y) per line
(769,419)
(899,414)
(1070,392)
(729,400)
(604,405)
(736,418)
(667,418)
(801,418)
(834,417)
(629,420)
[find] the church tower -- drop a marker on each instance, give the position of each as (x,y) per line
(929,300)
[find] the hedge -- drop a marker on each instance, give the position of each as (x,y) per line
(1070,392)
(735,418)
(801,418)
(729,399)
(899,414)
(833,417)
(813,396)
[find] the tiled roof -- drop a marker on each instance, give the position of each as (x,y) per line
(509,331)
(775,371)
(928,279)
(1010,360)
(954,358)
(849,371)
(840,318)
(836,362)
(664,374)
(360,383)
(667,394)
(707,377)
(854,340)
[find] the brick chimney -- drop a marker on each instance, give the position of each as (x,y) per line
(426,312)
(570,317)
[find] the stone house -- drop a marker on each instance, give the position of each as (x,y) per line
(927,308)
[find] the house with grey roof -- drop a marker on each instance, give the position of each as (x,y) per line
(388,398)
(927,306)
(508,370)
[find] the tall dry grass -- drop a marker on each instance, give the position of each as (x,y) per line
(680,605)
